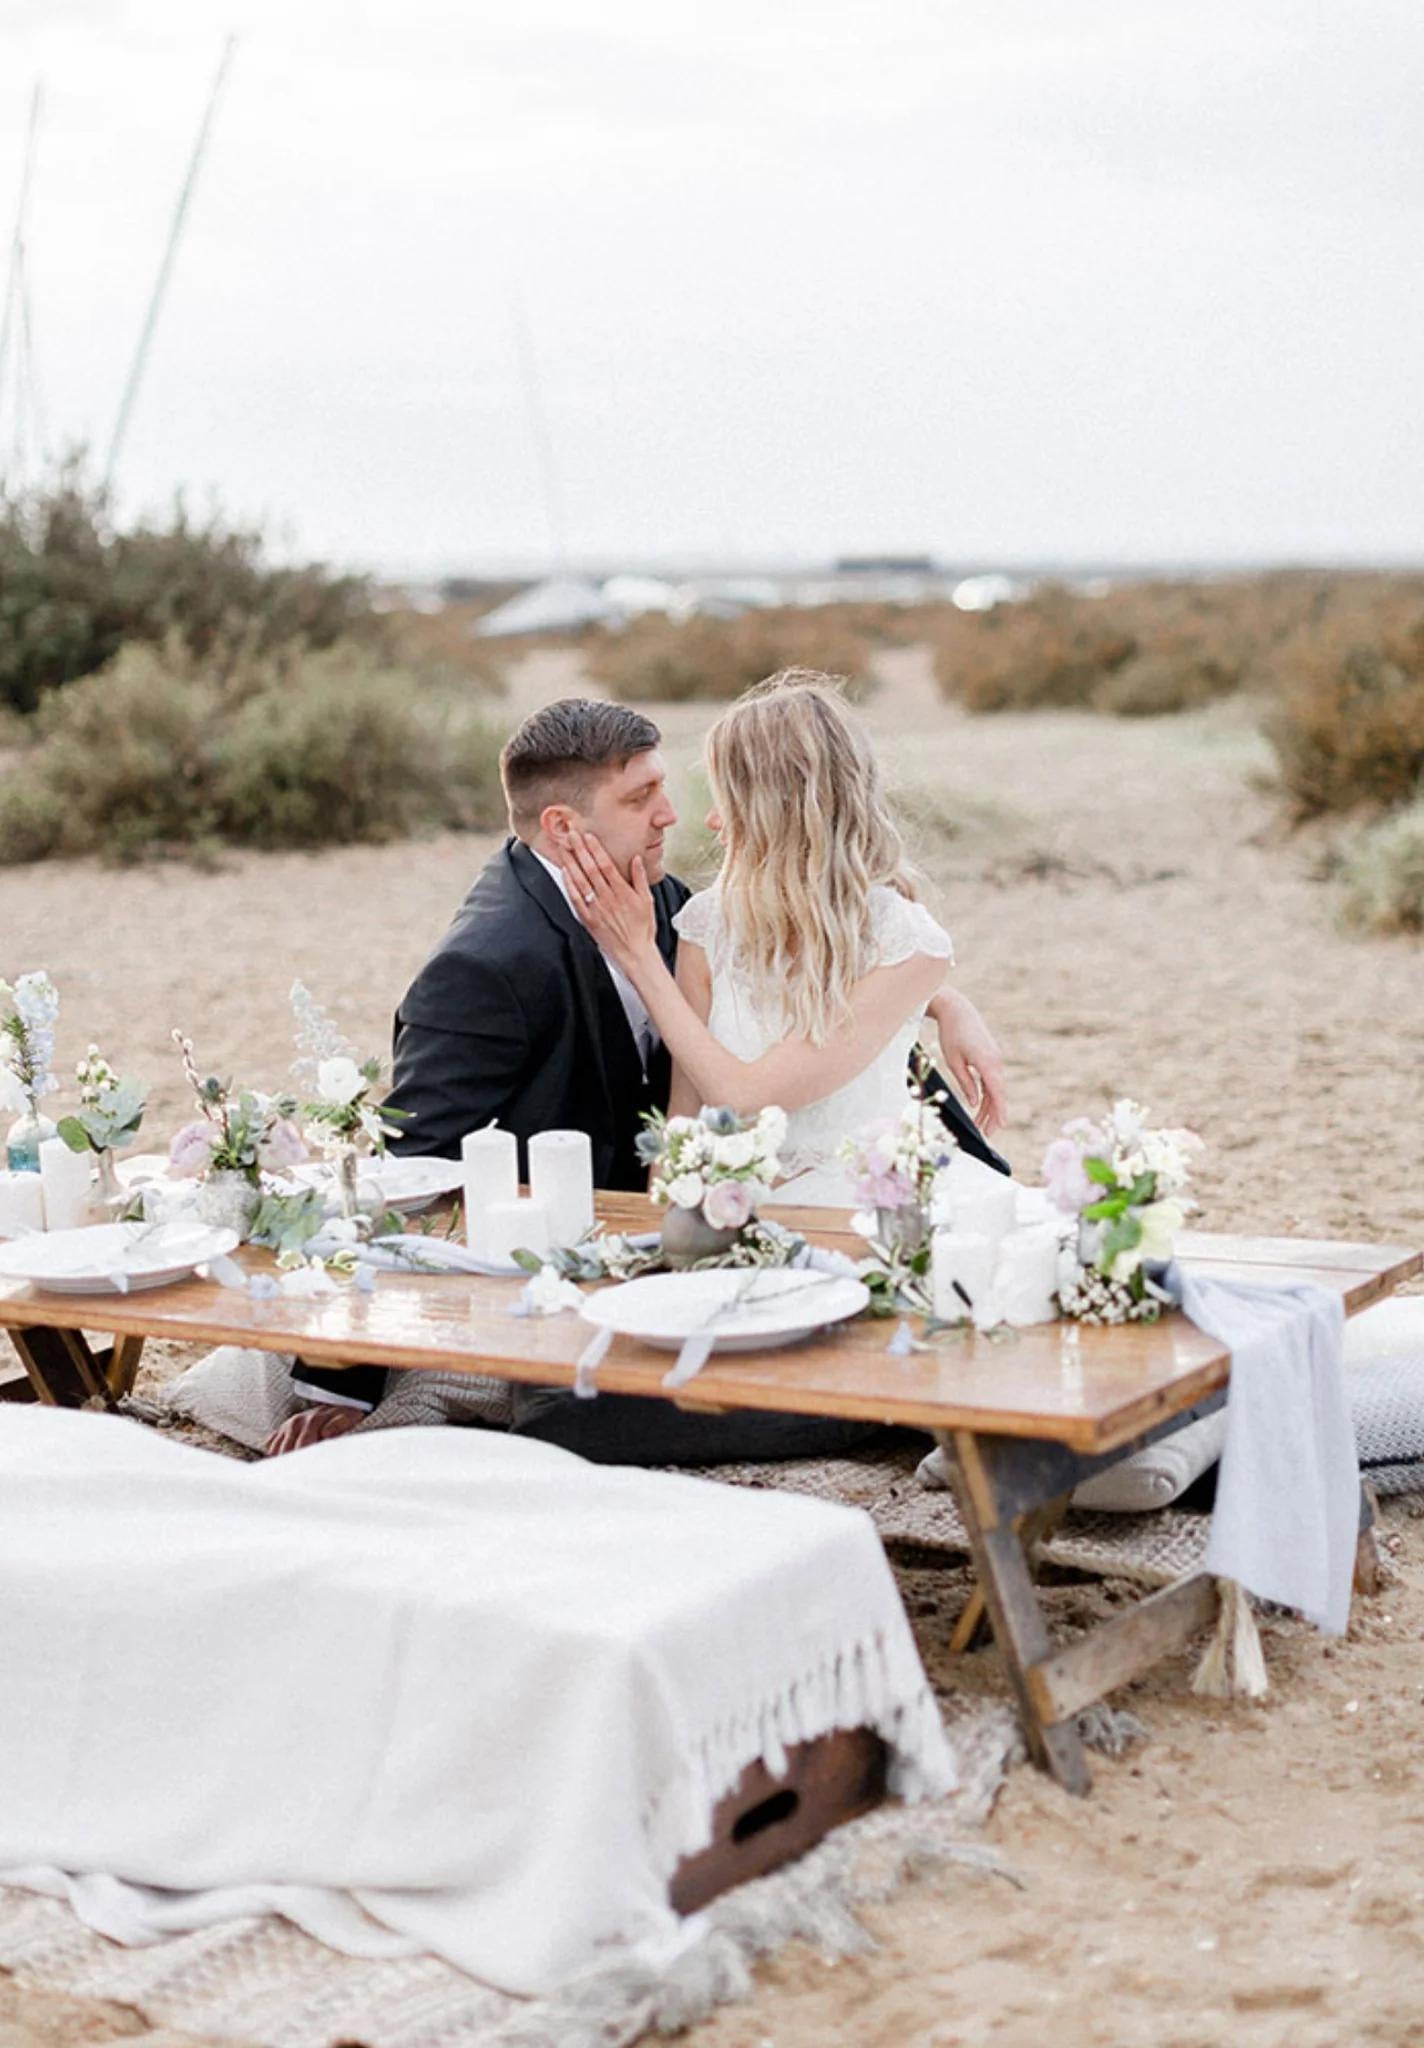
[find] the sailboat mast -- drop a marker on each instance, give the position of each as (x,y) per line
(165,268)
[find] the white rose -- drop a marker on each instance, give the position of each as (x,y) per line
(339,1080)
(1127,1120)
(1160,1223)
(736,1150)
(771,1127)
(681,1126)
(13,1099)
(686,1191)
(548,1292)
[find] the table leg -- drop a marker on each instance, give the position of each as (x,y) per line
(1012,1603)
(1034,1529)
(61,1368)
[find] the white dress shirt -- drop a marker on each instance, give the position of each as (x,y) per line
(645,1035)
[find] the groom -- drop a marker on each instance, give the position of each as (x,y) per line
(518,1017)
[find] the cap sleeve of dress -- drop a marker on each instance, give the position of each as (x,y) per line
(699,919)
(901,929)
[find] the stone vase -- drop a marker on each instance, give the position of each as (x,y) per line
(688,1237)
(228,1199)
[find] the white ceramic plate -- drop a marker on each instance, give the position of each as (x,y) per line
(405,1184)
(113,1258)
(749,1310)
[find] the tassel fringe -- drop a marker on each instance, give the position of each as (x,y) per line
(1233,1665)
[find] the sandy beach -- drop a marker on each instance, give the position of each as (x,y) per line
(1133,919)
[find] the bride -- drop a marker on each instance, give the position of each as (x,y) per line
(804,972)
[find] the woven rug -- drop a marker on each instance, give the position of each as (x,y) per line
(1149,1550)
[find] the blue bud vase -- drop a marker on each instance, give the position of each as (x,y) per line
(22,1146)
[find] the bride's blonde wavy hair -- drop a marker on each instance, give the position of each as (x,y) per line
(806,834)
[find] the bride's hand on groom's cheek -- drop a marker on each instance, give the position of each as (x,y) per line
(620,914)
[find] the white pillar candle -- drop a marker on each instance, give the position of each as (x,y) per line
(509,1227)
(68,1180)
(21,1204)
(960,1259)
(972,1197)
(491,1162)
(561,1177)
(1026,1276)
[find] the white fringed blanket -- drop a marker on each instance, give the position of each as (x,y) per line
(431,1690)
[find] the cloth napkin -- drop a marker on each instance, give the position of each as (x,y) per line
(1288,1493)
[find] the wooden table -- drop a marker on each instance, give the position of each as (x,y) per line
(1023,1420)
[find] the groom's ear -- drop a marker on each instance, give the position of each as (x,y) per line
(556,821)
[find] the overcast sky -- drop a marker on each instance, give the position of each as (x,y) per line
(1125,279)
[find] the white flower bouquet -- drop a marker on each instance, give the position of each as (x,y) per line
(110,1110)
(27,1019)
(1126,1184)
(719,1162)
(340,1116)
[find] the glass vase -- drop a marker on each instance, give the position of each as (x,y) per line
(901,1230)
(111,1197)
(26,1135)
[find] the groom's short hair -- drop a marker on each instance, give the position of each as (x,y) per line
(559,752)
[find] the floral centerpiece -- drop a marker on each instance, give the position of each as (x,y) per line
(108,1118)
(26,1056)
(893,1165)
(238,1135)
(1126,1184)
(710,1172)
(340,1118)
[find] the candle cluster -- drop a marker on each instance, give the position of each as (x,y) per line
(985,1268)
(557,1211)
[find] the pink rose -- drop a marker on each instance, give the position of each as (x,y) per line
(727,1204)
(885,1191)
(282,1146)
(191,1152)
(1069,1187)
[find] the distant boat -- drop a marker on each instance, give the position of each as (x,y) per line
(562,604)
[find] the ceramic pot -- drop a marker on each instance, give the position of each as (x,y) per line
(688,1237)
(22,1146)
(228,1200)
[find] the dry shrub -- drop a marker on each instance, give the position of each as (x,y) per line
(654,660)
(1348,729)
(1383,874)
(1143,649)
(442,649)
(145,759)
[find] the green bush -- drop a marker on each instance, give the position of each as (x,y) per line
(1383,874)
(144,759)
(74,589)
(655,660)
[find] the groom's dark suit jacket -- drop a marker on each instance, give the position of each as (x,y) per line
(514,1016)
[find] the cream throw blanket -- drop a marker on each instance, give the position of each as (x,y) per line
(427,1690)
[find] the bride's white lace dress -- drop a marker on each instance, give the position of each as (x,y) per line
(748,1020)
